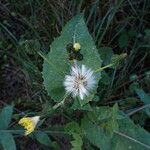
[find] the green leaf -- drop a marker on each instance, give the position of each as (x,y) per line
(74,129)
(7,141)
(126,136)
(5,117)
(57,65)
(77,142)
(77,105)
(131,137)
(95,134)
(107,118)
(86,100)
(43,138)
(112,122)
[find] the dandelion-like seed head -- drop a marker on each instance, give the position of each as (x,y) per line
(80,81)
(29,123)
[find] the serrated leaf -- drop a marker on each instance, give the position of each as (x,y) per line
(43,138)
(95,134)
(7,141)
(57,64)
(5,117)
(77,142)
(129,136)
(74,129)
(132,137)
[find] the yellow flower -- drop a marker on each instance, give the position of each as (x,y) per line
(76,46)
(29,123)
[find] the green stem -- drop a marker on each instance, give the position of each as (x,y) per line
(61,103)
(36,131)
(102,68)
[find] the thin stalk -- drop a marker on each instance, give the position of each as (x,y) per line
(138,109)
(36,131)
(61,103)
(102,68)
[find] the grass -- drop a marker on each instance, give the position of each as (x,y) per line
(30,26)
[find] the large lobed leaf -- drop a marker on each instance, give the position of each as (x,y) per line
(57,64)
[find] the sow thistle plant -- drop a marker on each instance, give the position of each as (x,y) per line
(71,71)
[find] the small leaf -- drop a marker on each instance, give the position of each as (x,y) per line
(7,141)
(5,117)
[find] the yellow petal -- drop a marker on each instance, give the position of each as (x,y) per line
(29,123)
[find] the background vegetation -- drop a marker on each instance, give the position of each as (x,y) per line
(117,26)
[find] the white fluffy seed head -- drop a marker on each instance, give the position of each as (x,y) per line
(80,81)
